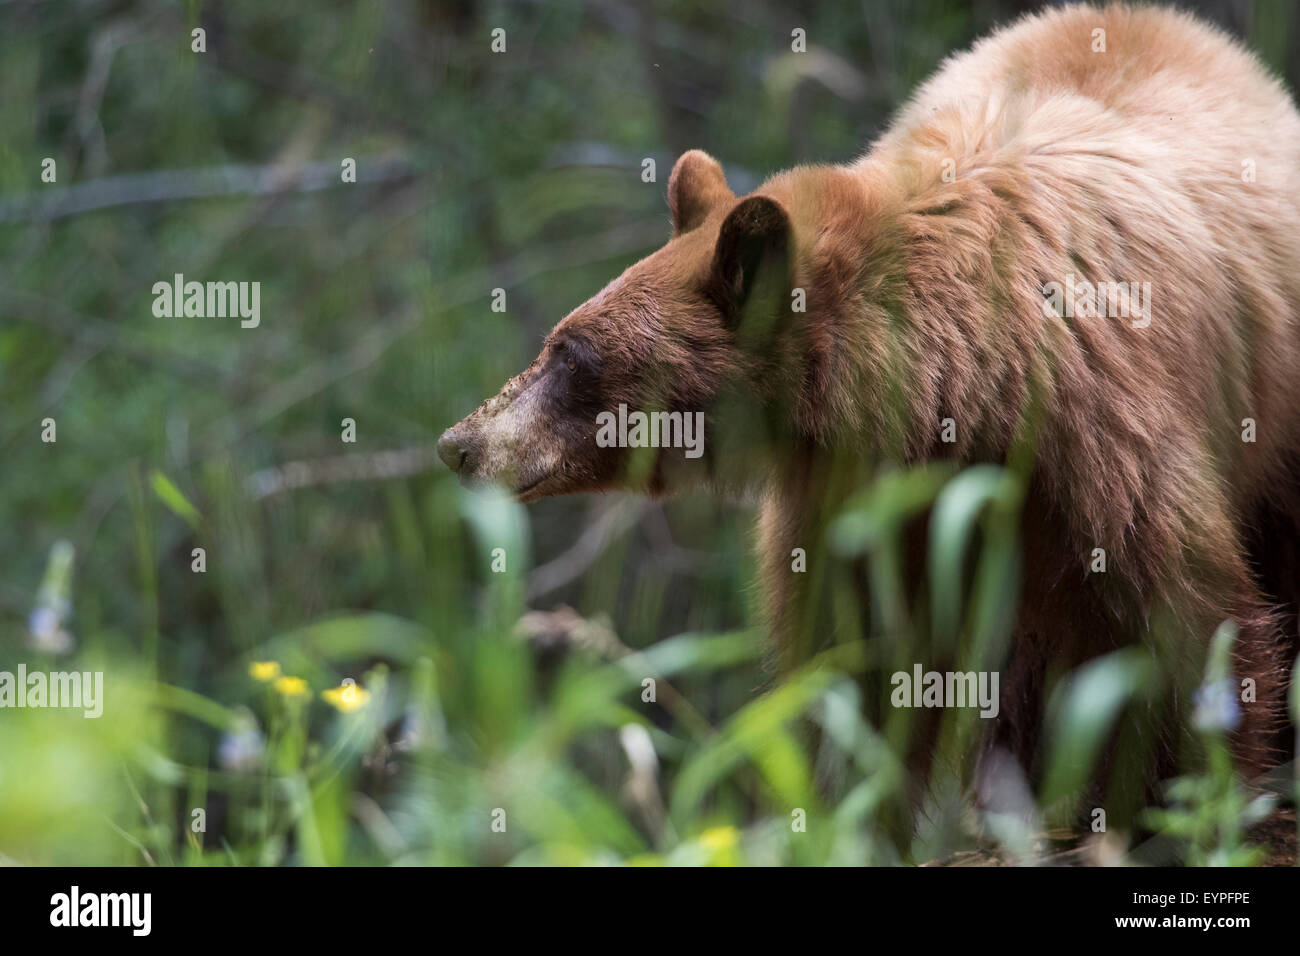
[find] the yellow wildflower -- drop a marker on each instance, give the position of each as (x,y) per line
(292,687)
(720,838)
(347,698)
(264,670)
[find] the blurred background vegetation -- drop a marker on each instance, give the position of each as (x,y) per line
(474,717)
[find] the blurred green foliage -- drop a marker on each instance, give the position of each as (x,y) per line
(475,170)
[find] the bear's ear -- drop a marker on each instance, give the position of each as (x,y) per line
(696,185)
(751,272)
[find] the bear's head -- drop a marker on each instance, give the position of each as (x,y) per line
(680,335)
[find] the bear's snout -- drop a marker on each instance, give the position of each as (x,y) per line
(453,450)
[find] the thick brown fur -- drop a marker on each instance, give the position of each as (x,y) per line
(1028,159)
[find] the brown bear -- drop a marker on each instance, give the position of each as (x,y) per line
(1086,227)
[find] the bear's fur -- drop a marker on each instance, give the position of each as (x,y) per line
(1171,158)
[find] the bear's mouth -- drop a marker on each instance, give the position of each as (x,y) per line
(524,492)
(532,491)
(520,492)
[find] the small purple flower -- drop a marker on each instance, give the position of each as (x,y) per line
(241,747)
(45,631)
(1217,708)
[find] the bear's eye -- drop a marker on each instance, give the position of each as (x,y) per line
(576,356)
(570,360)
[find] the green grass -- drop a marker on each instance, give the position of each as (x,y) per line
(474,172)
(460,743)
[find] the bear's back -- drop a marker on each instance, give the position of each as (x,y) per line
(1130,145)
(1146,63)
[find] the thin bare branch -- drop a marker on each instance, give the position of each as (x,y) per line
(378,466)
(169,185)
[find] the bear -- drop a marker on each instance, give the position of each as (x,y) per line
(1080,234)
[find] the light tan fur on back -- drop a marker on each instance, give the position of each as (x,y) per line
(1029,159)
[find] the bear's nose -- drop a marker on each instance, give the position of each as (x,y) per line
(451,450)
